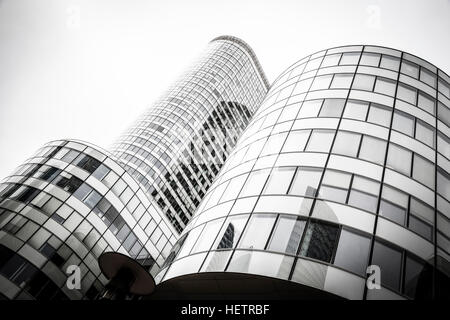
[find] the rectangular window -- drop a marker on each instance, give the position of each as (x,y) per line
(320,141)
(331,60)
(372,149)
(356,110)
(279,180)
(321,82)
(352,252)
(394,205)
(370,59)
(423,171)
(389,62)
(231,232)
(426,103)
(296,141)
(425,133)
(332,108)
(379,115)
(207,236)
(410,69)
(287,235)
(273,144)
(310,109)
(399,159)
(385,86)
(257,231)
(346,143)
(319,241)
(306,182)
(406,93)
(404,123)
(255,183)
(363,82)
(341,81)
(390,262)
(364,194)
(350,58)
(443,145)
(428,77)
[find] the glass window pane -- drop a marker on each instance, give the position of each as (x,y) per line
(389,260)
(443,184)
(422,210)
(231,232)
(416,276)
(426,102)
(403,122)
(207,236)
(321,82)
(385,86)
(279,181)
(257,231)
(444,145)
(421,227)
(310,109)
(346,143)
(352,252)
(394,205)
(331,60)
(319,241)
(363,82)
(233,188)
(399,159)
(444,114)
(287,234)
(333,193)
(320,141)
(425,133)
(423,171)
(410,69)
(389,62)
(296,141)
(363,200)
(341,81)
(350,58)
(337,179)
(406,93)
(305,182)
(372,149)
(255,183)
(332,108)
(370,59)
(428,77)
(379,115)
(273,144)
(356,110)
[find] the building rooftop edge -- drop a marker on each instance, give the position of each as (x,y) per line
(250,51)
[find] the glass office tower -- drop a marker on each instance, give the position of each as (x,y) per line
(178,146)
(73,201)
(345,166)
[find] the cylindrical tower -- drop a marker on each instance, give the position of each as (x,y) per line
(343,175)
(177,147)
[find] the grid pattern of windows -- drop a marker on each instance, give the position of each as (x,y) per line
(345,165)
(178,146)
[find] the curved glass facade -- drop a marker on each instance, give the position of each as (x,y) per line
(178,146)
(345,165)
(64,207)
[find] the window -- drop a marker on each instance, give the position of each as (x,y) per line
(385,86)
(273,144)
(425,133)
(443,145)
(87,163)
(390,261)
(443,184)
(389,62)
(416,275)
(352,252)
(426,102)
(233,188)
(394,205)
(321,82)
(399,159)
(331,60)
(320,141)
(379,115)
(346,143)
(101,172)
(421,227)
(279,181)
(341,81)
(230,233)
(287,235)
(310,109)
(92,199)
(444,114)
(350,58)
(257,231)
(364,194)
(423,171)
(410,69)
(332,108)
(370,59)
(306,182)
(404,123)
(428,77)
(255,183)
(406,93)
(335,186)
(82,192)
(356,110)
(319,241)
(207,236)
(363,82)
(296,141)
(68,182)
(68,157)
(372,149)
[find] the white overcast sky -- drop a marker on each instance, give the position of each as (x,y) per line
(87,69)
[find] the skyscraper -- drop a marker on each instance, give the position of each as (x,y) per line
(73,201)
(341,178)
